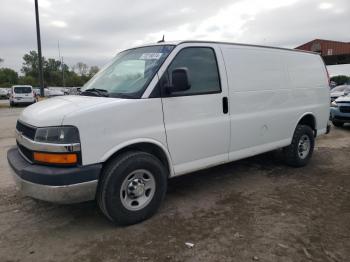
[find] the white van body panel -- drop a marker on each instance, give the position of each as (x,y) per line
(198,133)
(270,91)
(50,112)
(107,127)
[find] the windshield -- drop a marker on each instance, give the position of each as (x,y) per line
(129,73)
(22,89)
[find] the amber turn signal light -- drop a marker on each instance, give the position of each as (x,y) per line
(56,158)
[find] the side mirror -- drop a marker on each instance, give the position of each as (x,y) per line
(180,80)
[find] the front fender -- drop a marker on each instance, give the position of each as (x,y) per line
(125,144)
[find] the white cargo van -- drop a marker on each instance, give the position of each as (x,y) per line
(164,110)
(22,94)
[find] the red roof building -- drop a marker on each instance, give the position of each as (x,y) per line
(333,52)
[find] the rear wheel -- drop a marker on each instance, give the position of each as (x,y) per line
(132,188)
(337,124)
(299,152)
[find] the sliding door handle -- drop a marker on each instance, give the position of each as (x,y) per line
(225,105)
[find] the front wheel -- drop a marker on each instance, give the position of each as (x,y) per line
(132,188)
(299,152)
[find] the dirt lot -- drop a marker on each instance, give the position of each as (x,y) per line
(252,210)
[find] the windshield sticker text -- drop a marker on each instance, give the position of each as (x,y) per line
(151,56)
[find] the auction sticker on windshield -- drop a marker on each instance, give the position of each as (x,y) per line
(151,56)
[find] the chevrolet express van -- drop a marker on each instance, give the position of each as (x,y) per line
(164,110)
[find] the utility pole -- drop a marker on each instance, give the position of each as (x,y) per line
(41,76)
(64,84)
(61,60)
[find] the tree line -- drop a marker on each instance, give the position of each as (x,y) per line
(341,79)
(55,73)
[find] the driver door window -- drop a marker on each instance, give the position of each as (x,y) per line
(202,70)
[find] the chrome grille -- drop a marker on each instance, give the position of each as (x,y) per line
(28,154)
(26,130)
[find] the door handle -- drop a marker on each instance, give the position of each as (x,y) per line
(225,105)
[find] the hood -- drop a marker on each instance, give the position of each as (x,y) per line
(51,112)
(343,99)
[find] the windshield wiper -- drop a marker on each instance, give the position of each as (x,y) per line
(95,92)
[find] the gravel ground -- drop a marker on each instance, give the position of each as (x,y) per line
(256,209)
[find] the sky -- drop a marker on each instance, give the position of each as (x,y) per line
(92,31)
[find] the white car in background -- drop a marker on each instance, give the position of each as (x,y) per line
(49,92)
(339,91)
(3,93)
(54,91)
(22,94)
(340,111)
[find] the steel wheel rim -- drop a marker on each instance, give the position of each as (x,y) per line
(304,146)
(137,189)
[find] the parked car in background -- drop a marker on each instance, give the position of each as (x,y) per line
(48,92)
(75,90)
(54,92)
(339,91)
(340,111)
(36,91)
(66,91)
(3,93)
(332,84)
(22,94)
(8,92)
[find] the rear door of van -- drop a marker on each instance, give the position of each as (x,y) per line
(196,120)
(23,93)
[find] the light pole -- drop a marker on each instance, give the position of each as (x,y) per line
(61,60)
(41,77)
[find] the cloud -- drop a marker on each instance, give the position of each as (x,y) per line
(325,6)
(294,25)
(57,23)
(94,31)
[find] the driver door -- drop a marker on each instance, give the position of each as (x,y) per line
(196,120)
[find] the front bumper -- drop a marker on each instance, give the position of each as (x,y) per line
(64,185)
(336,115)
(23,100)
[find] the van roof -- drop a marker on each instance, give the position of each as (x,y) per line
(227,43)
(22,86)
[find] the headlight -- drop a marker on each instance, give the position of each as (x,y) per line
(334,104)
(57,135)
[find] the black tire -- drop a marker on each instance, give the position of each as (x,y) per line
(12,104)
(293,153)
(337,124)
(114,175)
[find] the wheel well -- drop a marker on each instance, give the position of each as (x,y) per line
(308,120)
(145,147)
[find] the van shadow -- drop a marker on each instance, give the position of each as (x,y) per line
(346,126)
